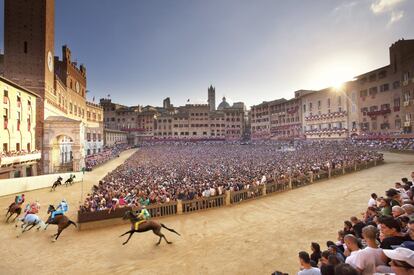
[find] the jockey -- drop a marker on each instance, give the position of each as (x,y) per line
(19,199)
(142,217)
(33,208)
(61,209)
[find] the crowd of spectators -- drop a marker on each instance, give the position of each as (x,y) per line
(105,155)
(17,153)
(164,172)
(380,242)
(400,144)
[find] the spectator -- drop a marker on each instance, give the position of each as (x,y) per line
(316,252)
(402,260)
(345,269)
(334,251)
(371,256)
(325,266)
(391,233)
(373,200)
(307,269)
(352,249)
(357,226)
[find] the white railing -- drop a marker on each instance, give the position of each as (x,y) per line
(19,159)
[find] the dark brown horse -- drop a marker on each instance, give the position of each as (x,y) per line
(60,220)
(144,227)
(14,208)
(57,183)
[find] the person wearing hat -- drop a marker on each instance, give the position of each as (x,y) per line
(395,197)
(61,209)
(402,260)
(142,217)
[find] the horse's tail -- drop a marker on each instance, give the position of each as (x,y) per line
(71,222)
(169,229)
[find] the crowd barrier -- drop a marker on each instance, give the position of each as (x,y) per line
(104,218)
(24,184)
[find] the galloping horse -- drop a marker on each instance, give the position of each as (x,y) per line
(70,180)
(60,220)
(14,208)
(56,183)
(145,226)
(31,220)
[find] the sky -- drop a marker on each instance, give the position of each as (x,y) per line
(140,52)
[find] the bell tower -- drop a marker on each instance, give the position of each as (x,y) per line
(29,34)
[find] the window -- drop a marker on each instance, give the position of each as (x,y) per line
(396,84)
(329,102)
(363,93)
(17,146)
(339,100)
(5,147)
(384,87)
(372,77)
(25,47)
(373,91)
(319,104)
(28,147)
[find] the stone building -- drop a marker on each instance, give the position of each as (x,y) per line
(114,137)
(62,120)
(19,157)
(191,121)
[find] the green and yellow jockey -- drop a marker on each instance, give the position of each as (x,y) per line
(143,216)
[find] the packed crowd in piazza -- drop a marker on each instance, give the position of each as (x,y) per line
(169,171)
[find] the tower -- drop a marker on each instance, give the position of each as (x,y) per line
(212,98)
(29,50)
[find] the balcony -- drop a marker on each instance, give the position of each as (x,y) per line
(406,103)
(326,131)
(405,82)
(326,116)
(7,160)
(379,112)
(407,123)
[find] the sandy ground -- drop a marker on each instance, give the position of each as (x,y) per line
(256,237)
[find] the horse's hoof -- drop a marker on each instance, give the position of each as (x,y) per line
(123,243)
(169,242)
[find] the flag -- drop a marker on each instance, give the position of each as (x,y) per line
(109,95)
(188,100)
(93,99)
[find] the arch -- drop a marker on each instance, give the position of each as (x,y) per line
(65,135)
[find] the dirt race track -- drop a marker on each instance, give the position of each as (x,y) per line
(256,237)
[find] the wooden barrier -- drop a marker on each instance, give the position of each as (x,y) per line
(278,186)
(300,181)
(337,172)
(322,175)
(203,203)
(246,194)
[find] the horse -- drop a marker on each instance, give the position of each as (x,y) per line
(14,208)
(31,220)
(56,183)
(60,220)
(70,180)
(145,226)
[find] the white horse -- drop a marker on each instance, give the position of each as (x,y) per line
(31,220)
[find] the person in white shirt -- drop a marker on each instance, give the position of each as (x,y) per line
(371,256)
(373,200)
(307,269)
(352,249)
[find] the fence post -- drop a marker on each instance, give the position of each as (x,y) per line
(311,176)
(343,170)
(290,182)
(227,198)
(179,207)
(264,192)
(329,172)
(355,165)
(375,162)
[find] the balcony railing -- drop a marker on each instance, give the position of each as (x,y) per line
(326,131)
(326,116)
(6,160)
(379,112)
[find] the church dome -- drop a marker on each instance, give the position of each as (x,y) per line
(223,105)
